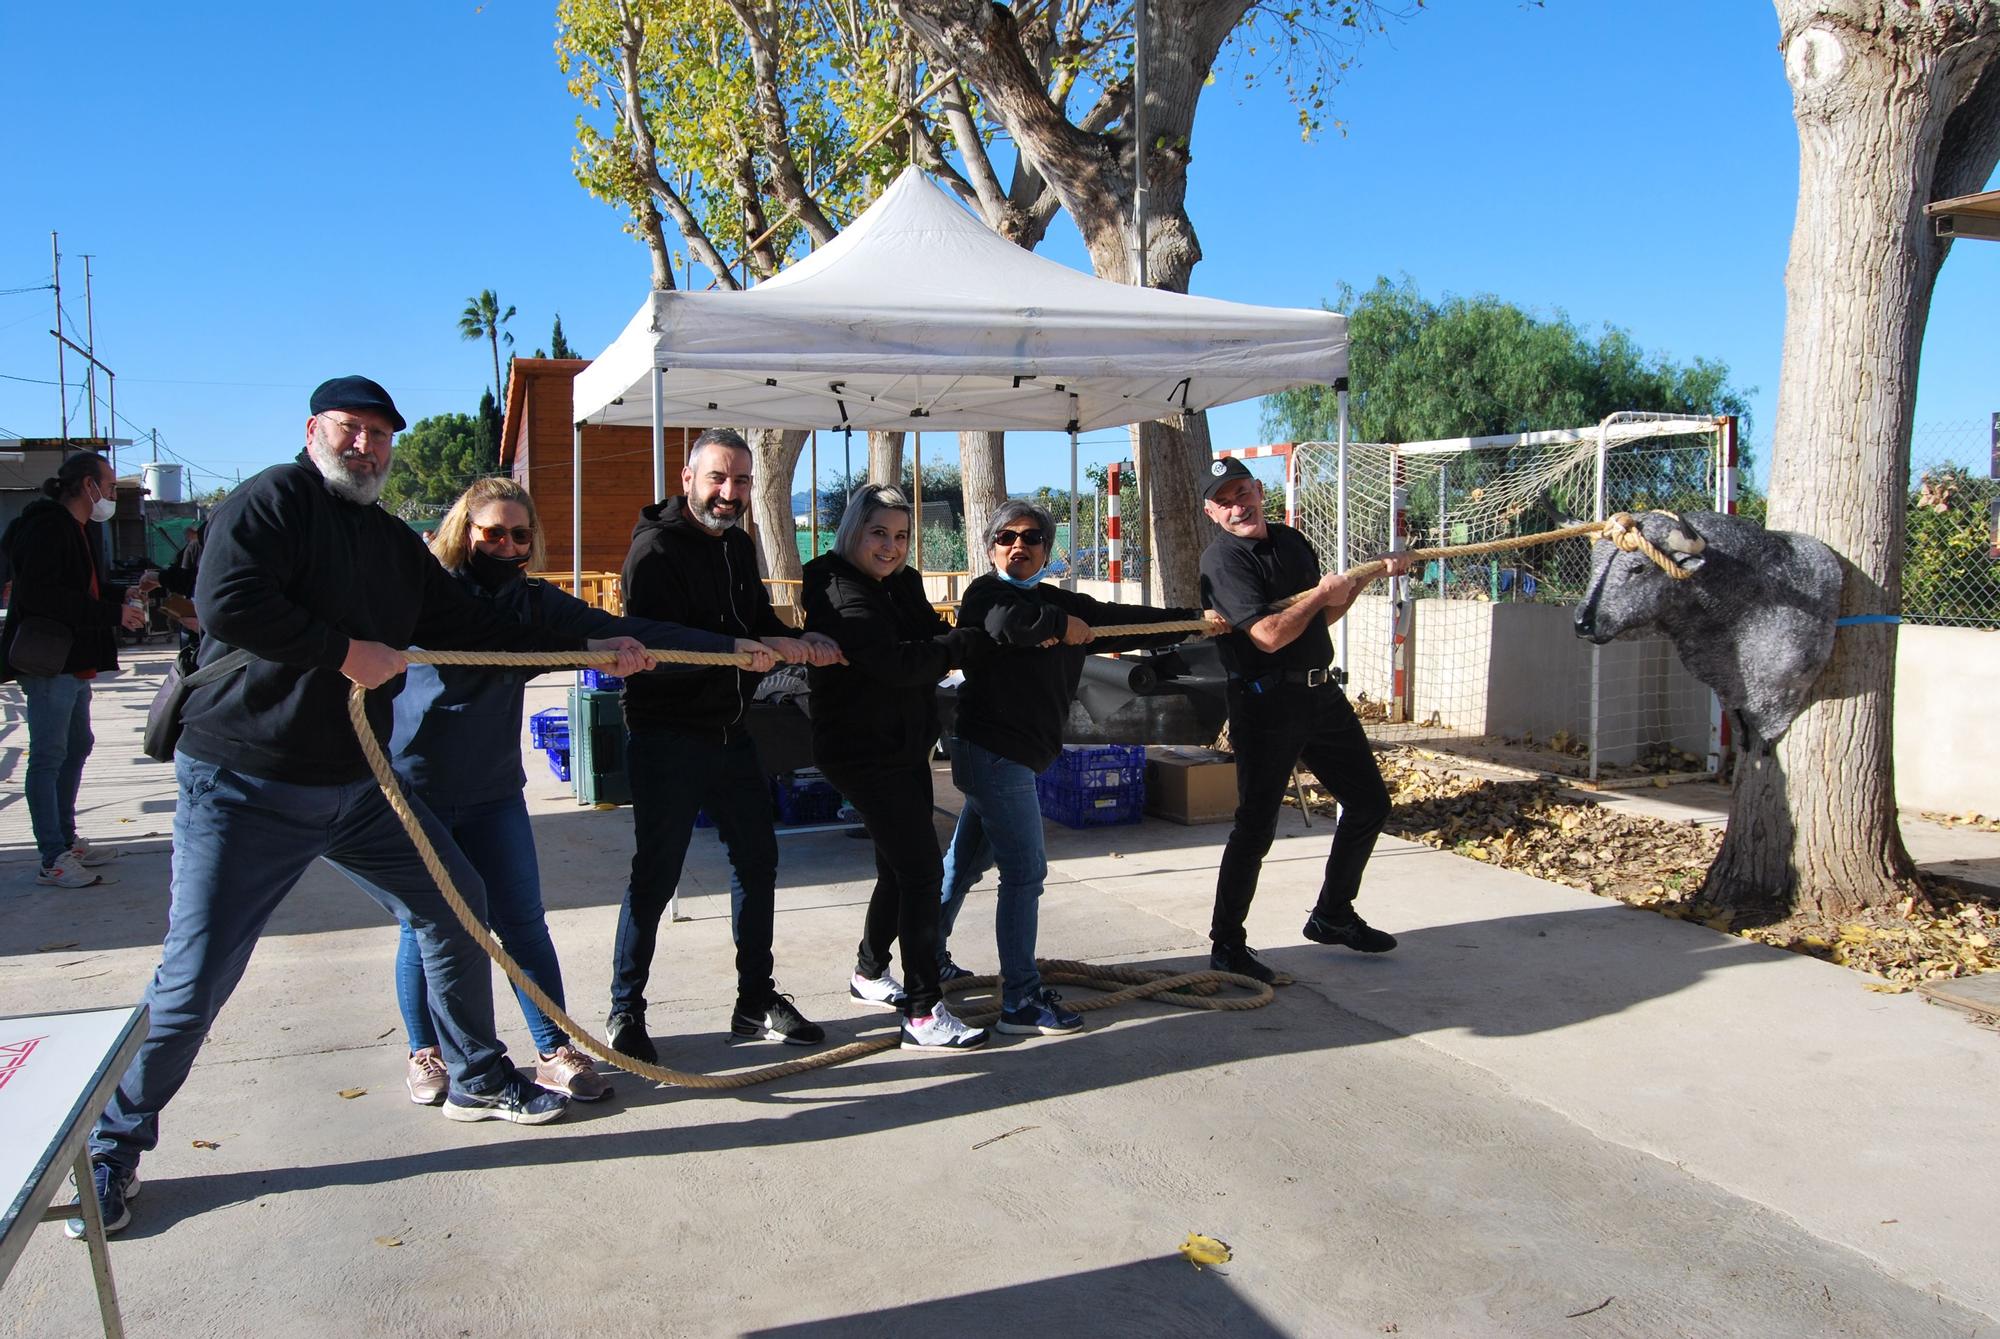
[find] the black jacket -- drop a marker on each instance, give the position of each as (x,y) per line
(292,573)
(679,572)
(1016,700)
(880,708)
(53,561)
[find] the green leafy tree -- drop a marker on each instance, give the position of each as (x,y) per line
(435,458)
(486,435)
(1949,572)
(483,319)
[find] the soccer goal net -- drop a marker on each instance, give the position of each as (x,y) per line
(1478,654)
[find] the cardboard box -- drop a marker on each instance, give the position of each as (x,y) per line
(1190,785)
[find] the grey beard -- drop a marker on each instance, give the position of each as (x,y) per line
(344,483)
(708,520)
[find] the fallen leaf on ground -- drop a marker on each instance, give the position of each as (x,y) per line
(206,1143)
(388,1241)
(56,948)
(1888,987)
(1202,1251)
(351,1093)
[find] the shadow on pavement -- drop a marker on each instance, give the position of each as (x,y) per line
(1151,1040)
(1163,1295)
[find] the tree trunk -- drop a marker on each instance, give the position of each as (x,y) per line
(1813,825)
(885,458)
(982,465)
(774,458)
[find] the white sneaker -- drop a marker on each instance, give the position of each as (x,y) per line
(877,992)
(83,853)
(941,1030)
(67,875)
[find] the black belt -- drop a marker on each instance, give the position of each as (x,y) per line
(1313,678)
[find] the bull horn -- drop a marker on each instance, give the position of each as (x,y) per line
(1685,541)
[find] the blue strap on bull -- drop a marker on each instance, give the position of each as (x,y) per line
(1853,619)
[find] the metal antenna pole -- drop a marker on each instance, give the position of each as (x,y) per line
(62,379)
(90,352)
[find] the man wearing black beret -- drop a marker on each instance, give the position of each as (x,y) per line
(324,589)
(1284,705)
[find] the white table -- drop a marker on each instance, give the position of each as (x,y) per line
(57,1071)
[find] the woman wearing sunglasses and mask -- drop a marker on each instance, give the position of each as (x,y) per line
(875,721)
(1011,711)
(457,744)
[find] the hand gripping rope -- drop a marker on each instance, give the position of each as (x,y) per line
(1194,990)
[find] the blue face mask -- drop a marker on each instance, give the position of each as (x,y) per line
(1021,583)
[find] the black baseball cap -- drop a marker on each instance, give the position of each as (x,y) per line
(356,393)
(1224,471)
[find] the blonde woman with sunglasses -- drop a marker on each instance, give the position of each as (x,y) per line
(457,744)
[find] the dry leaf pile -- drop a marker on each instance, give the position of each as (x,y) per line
(1659,864)
(1966,820)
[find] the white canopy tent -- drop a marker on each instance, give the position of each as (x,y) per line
(920,317)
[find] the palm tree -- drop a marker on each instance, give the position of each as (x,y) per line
(482,320)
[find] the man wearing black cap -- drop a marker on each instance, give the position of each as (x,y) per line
(1284,705)
(324,589)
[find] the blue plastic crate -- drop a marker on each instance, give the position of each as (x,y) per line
(550,729)
(1098,767)
(598,679)
(558,761)
(1098,807)
(805,797)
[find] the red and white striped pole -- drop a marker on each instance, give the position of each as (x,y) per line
(1112,537)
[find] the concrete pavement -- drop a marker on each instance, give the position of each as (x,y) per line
(1540,1101)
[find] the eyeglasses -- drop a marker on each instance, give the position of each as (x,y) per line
(343,430)
(522,535)
(1032,538)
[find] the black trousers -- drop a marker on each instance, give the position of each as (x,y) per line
(1272,731)
(895,803)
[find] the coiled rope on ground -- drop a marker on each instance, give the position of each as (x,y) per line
(1119,984)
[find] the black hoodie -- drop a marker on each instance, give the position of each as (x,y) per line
(54,561)
(292,573)
(678,571)
(880,708)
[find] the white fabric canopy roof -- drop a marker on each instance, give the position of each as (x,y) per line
(919,316)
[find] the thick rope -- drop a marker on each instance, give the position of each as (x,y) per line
(1120,984)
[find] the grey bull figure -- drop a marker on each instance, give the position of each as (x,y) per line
(1754,620)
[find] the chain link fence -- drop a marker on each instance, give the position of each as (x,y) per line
(1951,555)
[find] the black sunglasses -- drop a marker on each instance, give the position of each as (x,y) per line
(522,535)
(1032,538)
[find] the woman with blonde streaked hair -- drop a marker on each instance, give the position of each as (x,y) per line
(457,744)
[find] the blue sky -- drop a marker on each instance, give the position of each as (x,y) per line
(276,194)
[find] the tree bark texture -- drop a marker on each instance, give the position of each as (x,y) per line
(774,456)
(982,466)
(1875,85)
(885,458)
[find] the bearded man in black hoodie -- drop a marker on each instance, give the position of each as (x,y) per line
(689,749)
(322,589)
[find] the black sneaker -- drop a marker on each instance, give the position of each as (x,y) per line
(628,1036)
(1356,934)
(112,1188)
(949,971)
(1242,960)
(519,1100)
(778,1019)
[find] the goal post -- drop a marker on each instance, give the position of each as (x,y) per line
(1478,654)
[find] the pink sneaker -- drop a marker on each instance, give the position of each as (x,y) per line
(426,1078)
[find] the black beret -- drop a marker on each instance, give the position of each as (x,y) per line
(356,393)
(1226,470)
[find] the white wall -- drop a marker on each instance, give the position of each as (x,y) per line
(1948,719)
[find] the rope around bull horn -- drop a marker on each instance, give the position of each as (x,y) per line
(1194,990)
(1122,984)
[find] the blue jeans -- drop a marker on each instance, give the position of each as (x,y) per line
(241,844)
(675,774)
(1001,821)
(496,838)
(59,741)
